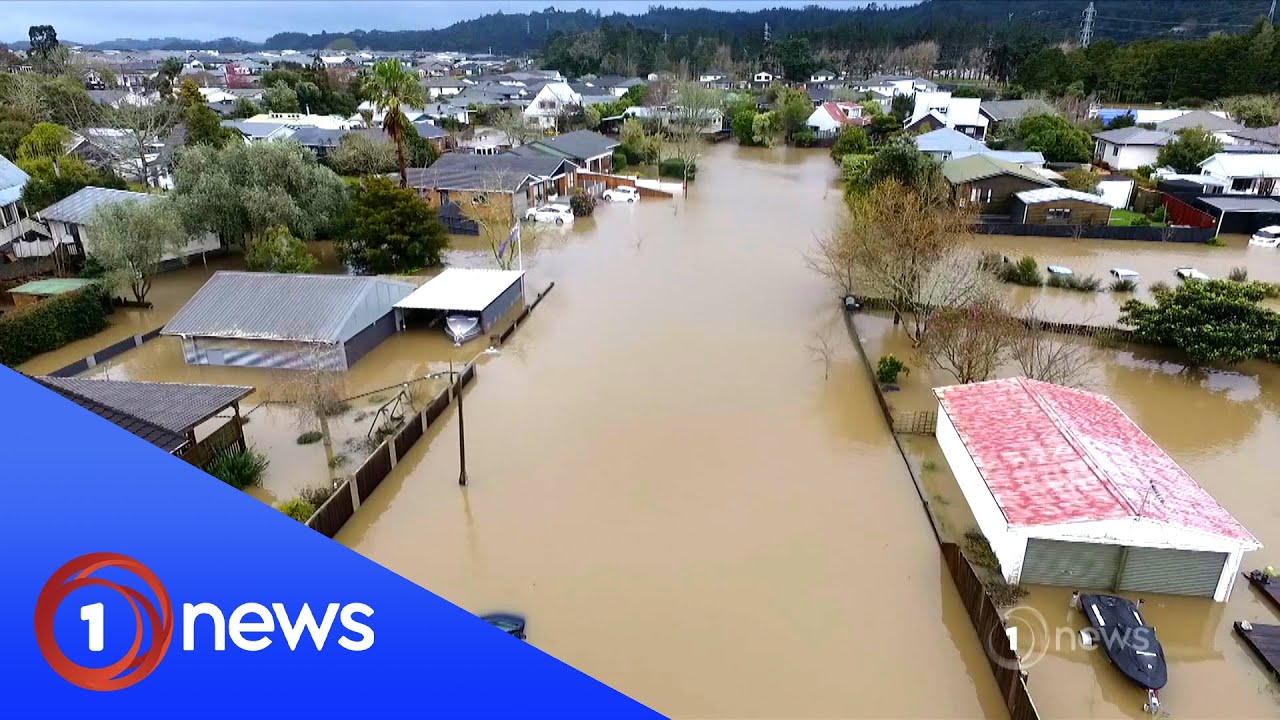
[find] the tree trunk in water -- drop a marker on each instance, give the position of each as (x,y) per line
(328,445)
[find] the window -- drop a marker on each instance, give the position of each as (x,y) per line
(1241,184)
(975,194)
(7,216)
(480,199)
(988,195)
(1058,213)
(1115,150)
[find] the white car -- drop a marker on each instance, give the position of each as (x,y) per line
(1190,273)
(558,214)
(1062,270)
(1266,237)
(622,194)
(1125,274)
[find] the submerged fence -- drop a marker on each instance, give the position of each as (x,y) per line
(983,613)
(1100,232)
(106,354)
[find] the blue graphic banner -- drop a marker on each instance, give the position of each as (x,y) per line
(137,585)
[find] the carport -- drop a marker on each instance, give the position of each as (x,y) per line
(483,294)
(1242,215)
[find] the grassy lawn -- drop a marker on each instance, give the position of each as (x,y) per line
(1125,218)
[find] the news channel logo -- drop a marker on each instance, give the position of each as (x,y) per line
(1026,637)
(108,605)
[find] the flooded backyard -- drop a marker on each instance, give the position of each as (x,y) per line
(679,472)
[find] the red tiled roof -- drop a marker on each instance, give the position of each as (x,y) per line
(837,113)
(1052,454)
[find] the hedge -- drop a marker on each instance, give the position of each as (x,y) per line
(674,167)
(50,324)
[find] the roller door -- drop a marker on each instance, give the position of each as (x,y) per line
(1175,572)
(1077,565)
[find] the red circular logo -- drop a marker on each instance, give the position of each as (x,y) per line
(136,664)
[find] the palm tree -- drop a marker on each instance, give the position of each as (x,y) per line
(388,87)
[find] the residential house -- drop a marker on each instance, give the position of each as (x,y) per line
(833,116)
(518,182)
(820,95)
(14,225)
(287,321)
(944,142)
(485,141)
(715,79)
(893,85)
(1059,206)
(1268,137)
(762,79)
(986,184)
(1220,127)
(136,75)
(713,120)
(613,85)
(553,101)
(935,110)
(433,134)
(1144,116)
(588,150)
(123,152)
(318,140)
(117,98)
(168,415)
(491,94)
(1001,111)
(437,113)
(1128,148)
(1244,173)
(69,223)
(823,76)
(440,87)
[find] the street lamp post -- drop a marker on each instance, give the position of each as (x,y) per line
(456,387)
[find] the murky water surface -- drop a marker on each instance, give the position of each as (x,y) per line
(679,473)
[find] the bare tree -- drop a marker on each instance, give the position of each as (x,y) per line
(692,113)
(492,207)
(821,350)
(316,392)
(513,124)
(1043,355)
(131,134)
(894,245)
(971,341)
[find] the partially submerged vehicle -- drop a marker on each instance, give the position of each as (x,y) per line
(1125,274)
(461,328)
(1129,642)
(1268,236)
(1060,270)
(512,625)
(1190,273)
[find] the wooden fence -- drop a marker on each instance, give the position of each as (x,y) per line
(991,628)
(1099,232)
(230,435)
(105,354)
(344,502)
(918,422)
(607,182)
(524,314)
(1105,333)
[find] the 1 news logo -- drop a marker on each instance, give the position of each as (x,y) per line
(249,625)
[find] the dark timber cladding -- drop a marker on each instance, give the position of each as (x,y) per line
(1264,641)
(1058,206)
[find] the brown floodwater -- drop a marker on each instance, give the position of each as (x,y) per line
(687,496)
(1222,427)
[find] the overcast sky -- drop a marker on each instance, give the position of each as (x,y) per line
(98,20)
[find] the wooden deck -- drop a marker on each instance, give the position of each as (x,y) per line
(1264,640)
(1269,590)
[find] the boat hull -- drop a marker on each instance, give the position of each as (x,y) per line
(1130,643)
(461,328)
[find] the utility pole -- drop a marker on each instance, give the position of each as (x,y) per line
(1086,25)
(1271,14)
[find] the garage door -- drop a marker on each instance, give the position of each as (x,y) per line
(1177,572)
(1079,565)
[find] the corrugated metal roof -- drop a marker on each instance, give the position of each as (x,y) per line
(947,140)
(1243,204)
(1053,194)
(1052,454)
(505,171)
(977,167)
(51,286)
(1199,118)
(1014,109)
(461,289)
(78,207)
(273,306)
(12,181)
(1134,135)
(175,407)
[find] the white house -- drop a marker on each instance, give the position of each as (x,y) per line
(1069,491)
(438,87)
(1244,173)
(715,79)
(1128,148)
(822,76)
(554,100)
(762,78)
(893,85)
(935,109)
(13,214)
(69,219)
(833,116)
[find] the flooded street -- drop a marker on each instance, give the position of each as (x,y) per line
(1223,428)
(664,481)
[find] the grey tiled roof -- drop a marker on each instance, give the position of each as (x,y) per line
(1013,109)
(12,181)
(580,144)
(272,306)
(1134,136)
(1199,118)
(175,407)
(166,440)
(506,171)
(314,137)
(78,207)
(1264,135)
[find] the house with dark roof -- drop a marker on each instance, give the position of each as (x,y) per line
(1218,126)
(294,321)
(444,87)
(588,150)
(999,111)
(986,184)
(70,223)
(513,180)
(1128,148)
(166,415)
(1263,136)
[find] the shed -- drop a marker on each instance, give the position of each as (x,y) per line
(987,183)
(277,320)
(1069,491)
(483,294)
(1059,206)
(1241,213)
(33,292)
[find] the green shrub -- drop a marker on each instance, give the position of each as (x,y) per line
(582,204)
(1003,594)
(803,138)
(1238,274)
(1140,221)
(1270,290)
(889,368)
(317,495)
(1088,283)
(239,469)
(979,552)
(674,167)
(51,323)
(309,437)
(279,252)
(1024,272)
(1158,286)
(1126,285)
(620,161)
(1160,215)
(298,509)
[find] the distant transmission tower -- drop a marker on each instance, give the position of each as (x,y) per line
(766,32)
(528,29)
(665,36)
(1271,14)
(1086,26)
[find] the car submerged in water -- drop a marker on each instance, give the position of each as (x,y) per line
(512,625)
